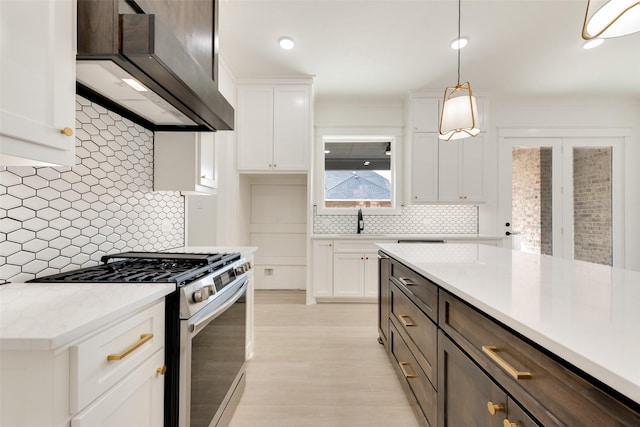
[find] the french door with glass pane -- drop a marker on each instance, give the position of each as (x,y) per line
(561,196)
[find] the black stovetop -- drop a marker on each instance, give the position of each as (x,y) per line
(148,267)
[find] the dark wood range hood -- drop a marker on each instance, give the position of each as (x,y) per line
(168,46)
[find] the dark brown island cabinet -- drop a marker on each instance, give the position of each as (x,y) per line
(461,368)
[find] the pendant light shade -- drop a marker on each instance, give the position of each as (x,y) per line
(459,113)
(614,19)
(459,109)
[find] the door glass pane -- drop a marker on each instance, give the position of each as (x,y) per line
(531,198)
(592,204)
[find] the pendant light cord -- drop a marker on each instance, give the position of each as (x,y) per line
(459,48)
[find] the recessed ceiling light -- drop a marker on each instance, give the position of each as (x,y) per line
(286,43)
(592,43)
(459,43)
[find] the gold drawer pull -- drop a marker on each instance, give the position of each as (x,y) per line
(403,368)
(494,407)
(406,320)
(406,281)
(143,339)
(492,351)
(66,131)
(507,423)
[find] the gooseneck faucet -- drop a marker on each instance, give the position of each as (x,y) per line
(360,221)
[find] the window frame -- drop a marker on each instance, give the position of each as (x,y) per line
(320,208)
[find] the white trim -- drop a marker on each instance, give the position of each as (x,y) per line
(558,139)
(353,136)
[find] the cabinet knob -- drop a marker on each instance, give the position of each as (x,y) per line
(66,131)
(162,370)
(203,176)
(507,423)
(494,407)
(275,166)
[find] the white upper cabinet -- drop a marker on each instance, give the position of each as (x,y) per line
(185,161)
(445,171)
(37,88)
(424,115)
(461,170)
(274,127)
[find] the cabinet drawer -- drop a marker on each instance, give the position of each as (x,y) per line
(409,369)
(421,333)
(420,290)
(133,340)
(553,393)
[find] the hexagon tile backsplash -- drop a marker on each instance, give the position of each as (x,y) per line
(57,219)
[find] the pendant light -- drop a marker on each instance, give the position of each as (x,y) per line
(459,109)
(614,19)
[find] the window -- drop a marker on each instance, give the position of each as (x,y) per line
(357,173)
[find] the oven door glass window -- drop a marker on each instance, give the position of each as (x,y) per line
(217,357)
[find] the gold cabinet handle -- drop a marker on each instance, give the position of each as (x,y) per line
(162,370)
(494,407)
(143,339)
(66,131)
(403,368)
(406,320)
(507,423)
(492,352)
(406,281)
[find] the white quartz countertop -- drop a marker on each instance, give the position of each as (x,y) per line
(587,314)
(417,237)
(46,316)
(244,250)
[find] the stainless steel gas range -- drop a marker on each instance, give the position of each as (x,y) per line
(205,321)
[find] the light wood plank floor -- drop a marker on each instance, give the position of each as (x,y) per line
(319,365)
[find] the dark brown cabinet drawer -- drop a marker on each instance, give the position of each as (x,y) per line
(420,290)
(421,333)
(552,392)
(468,397)
(410,371)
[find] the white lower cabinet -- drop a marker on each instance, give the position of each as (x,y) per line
(137,400)
(112,377)
(355,275)
(345,269)
(322,265)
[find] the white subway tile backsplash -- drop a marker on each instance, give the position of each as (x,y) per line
(59,219)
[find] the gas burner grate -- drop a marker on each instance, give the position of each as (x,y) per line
(139,267)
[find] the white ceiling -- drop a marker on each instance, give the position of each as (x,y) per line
(385,48)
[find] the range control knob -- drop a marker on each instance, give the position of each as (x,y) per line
(203,293)
(240,269)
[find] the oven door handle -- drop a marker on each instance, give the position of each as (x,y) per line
(205,317)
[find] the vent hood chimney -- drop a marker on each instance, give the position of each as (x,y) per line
(170,51)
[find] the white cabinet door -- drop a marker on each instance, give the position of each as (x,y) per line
(292,132)
(461,170)
(37,88)
(424,168)
(208,171)
(371,275)
(424,115)
(185,161)
(255,127)
(348,275)
(136,401)
(322,268)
